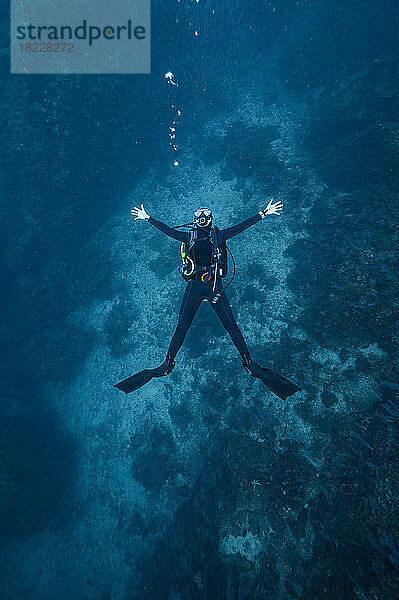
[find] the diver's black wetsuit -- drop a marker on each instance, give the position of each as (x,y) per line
(197,290)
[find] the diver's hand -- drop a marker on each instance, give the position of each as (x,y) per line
(139,213)
(271,209)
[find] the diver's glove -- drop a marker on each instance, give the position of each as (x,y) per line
(271,209)
(139,213)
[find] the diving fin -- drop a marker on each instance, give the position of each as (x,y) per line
(139,379)
(135,381)
(278,384)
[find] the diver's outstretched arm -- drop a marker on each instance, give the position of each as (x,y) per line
(240,227)
(140,214)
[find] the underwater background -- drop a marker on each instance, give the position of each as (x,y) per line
(149,496)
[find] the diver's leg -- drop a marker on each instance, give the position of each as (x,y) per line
(189,306)
(191,300)
(223,310)
(278,384)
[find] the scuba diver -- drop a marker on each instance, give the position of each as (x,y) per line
(204,256)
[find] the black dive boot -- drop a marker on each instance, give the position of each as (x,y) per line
(278,384)
(137,381)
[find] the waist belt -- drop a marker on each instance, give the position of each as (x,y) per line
(203,269)
(205,274)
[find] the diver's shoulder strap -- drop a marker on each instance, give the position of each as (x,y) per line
(215,241)
(193,237)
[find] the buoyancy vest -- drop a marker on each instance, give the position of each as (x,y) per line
(219,255)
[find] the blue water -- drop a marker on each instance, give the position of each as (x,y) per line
(151,496)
